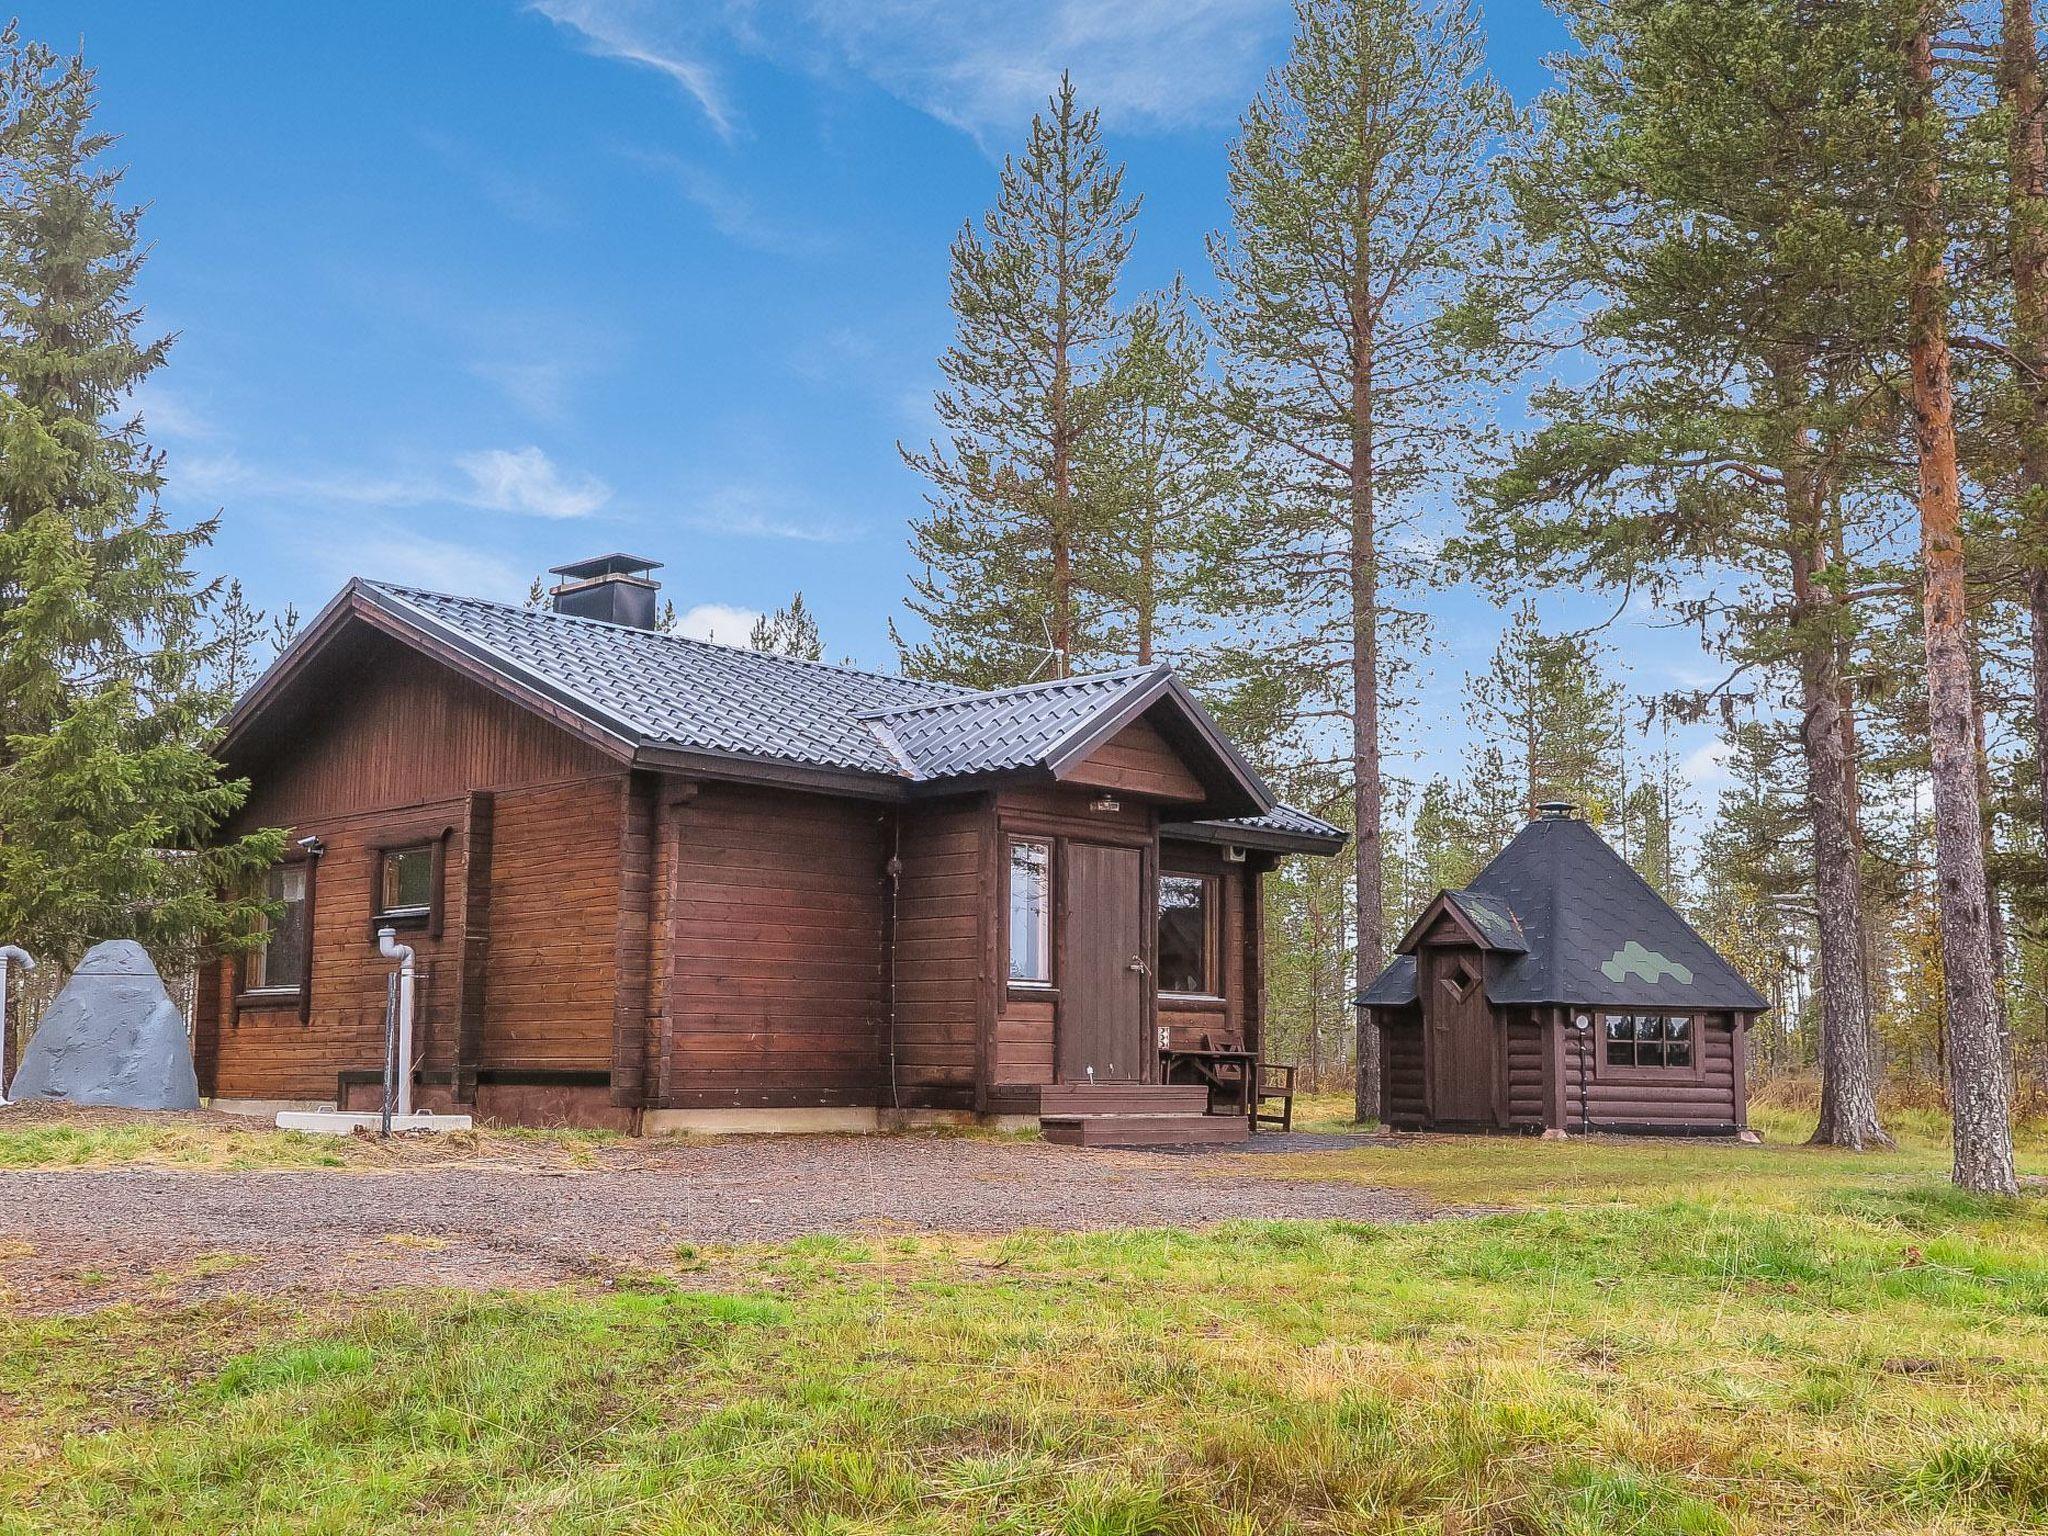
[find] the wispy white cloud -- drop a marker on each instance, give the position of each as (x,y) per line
(648,35)
(170,416)
(511,191)
(983,66)
(986,65)
(765,511)
(442,565)
(527,480)
(227,474)
(522,480)
(732,212)
(723,622)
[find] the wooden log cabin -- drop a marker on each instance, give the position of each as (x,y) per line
(657,883)
(1559,993)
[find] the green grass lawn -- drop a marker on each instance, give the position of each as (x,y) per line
(1660,1338)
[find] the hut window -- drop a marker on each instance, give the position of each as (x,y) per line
(1186,962)
(1030,913)
(1649,1040)
(280,965)
(405,881)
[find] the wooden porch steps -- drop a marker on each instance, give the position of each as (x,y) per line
(1135,1115)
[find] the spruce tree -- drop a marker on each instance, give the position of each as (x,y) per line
(110,670)
(1360,191)
(1018,516)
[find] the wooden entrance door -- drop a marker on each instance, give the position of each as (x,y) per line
(1104,976)
(1459,1063)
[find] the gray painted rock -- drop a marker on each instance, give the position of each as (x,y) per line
(112,1036)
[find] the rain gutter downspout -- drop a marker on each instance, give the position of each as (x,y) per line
(389,947)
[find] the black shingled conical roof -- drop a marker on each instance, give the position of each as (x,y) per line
(1597,933)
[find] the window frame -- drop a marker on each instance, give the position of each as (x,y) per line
(265,993)
(427,918)
(1048,950)
(1212,920)
(1635,1071)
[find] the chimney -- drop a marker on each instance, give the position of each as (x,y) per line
(615,589)
(1556,810)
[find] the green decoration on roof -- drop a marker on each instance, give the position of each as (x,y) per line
(1646,963)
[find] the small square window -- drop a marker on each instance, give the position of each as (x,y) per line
(405,882)
(1648,1040)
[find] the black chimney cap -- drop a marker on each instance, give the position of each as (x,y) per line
(1556,810)
(605,565)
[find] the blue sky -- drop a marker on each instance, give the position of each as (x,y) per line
(470,288)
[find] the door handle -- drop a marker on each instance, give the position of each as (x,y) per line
(1138,964)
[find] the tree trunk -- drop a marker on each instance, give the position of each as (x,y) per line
(1848,1083)
(1367,790)
(1980,1093)
(2022,91)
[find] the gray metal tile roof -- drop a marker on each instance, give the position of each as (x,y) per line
(665,690)
(688,693)
(1283,827)
(1009,728)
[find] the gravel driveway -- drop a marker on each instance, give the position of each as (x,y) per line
(81,1237)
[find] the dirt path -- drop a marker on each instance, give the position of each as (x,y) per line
(84,1237)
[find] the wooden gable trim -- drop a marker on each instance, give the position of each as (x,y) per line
(1188,713)
(1440,905)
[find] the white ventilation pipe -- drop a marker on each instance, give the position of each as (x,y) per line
(11,955)
(389,947)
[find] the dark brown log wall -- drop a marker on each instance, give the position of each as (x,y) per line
(1525,1070)
(395,748)
(1665,1101)
(940,952)
(1401,1096)
(777,967)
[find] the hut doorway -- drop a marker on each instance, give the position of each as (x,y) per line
(1458,1043)
(1103,982)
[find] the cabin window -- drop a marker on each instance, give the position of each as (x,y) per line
(1649,1040)
(405,881)
(1186,958)
(1031,913)
(279,965)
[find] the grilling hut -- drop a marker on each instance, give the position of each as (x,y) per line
(1557,993)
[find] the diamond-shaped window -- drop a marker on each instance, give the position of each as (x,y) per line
(1459,981)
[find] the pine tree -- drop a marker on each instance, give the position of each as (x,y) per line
(109,676)
(1547,699)
(1685,205)
(791,631)
(1980,1095)
(1164,474)
(1019,516)
(1360,189)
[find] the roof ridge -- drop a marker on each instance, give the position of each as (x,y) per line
(953,690)
(977,695)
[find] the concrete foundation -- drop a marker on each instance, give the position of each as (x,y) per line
(335,1122)
(266,1109)
(761,1122)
